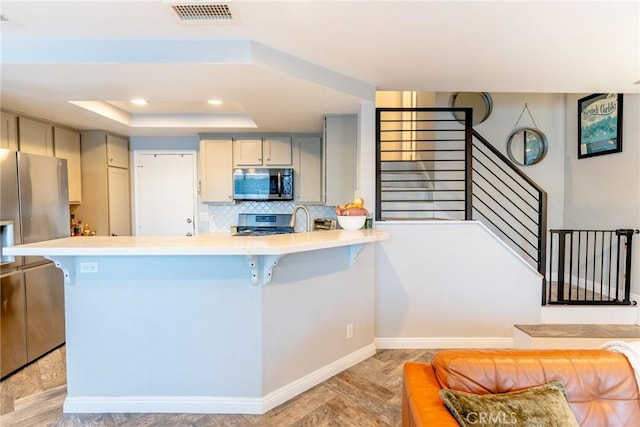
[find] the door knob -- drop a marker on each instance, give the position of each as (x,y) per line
(189,234)
(188,220)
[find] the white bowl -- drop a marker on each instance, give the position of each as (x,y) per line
(349,222)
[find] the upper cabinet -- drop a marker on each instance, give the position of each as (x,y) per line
(67,146)
(340,137)
(216,174)
(307,166)
(9,131)
(35,137)
(117,152)
(256,151)
(247,152)
(277,151)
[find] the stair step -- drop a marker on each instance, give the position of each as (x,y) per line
(580,315)
(572,335)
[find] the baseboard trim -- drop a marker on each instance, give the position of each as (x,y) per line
(443,342)
(212,404)
(162,404)
(281,395)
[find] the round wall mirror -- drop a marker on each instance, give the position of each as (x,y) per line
(480,103)
(527,146)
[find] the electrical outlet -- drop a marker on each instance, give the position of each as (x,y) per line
(88,267)
(349,330)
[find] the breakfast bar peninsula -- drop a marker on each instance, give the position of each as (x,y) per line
(212,323)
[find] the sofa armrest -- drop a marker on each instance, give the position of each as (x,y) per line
(421,404)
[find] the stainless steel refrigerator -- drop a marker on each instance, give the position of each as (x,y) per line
(34,206)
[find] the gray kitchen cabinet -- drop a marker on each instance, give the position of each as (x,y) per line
(8,131)
(216,170)
(67,146)
(117,151)
(35,137)
(339,155)
(120,208)
(262,151)
(307,166)
(106,205)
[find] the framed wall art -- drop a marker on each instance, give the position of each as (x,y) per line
(599,124)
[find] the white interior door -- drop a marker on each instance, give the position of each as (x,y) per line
(165,193)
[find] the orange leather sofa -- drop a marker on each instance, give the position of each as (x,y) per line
(600,384)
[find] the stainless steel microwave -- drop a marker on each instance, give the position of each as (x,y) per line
(263,184)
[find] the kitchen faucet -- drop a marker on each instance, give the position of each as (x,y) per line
(292,223)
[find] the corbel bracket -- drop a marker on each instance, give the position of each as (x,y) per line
(262,268)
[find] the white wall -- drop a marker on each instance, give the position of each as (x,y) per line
(366,154)
(306,310)
(603,192)
(450,284)
(548,111)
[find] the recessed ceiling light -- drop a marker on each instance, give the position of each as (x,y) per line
(139,101)
(637,83)
(215,101)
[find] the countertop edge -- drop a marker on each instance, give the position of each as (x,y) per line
(207,244)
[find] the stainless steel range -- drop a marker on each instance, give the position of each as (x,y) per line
(263,224)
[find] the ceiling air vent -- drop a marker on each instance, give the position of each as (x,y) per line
(203,12)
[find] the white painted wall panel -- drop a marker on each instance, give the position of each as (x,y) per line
(451,279)
(321,293)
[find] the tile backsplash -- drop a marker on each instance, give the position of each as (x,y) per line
(223,216)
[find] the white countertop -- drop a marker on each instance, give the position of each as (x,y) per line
(202,244)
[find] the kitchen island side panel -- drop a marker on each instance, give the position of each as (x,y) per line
(163,326)
(306,309)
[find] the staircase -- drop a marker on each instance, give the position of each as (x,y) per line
(430,165)
(434,165)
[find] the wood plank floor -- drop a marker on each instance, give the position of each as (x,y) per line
(368,394)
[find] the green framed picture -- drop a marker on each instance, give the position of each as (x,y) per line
(599,124)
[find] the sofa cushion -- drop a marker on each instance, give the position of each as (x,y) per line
(600,385)
(545,405)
